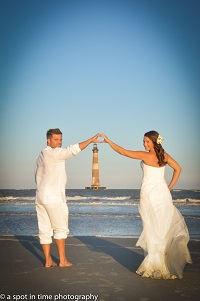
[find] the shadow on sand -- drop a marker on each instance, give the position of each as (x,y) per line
(33,245)
(123,255)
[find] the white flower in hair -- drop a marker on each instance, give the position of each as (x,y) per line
(160,139)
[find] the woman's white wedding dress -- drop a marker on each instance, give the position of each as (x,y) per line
(165,235)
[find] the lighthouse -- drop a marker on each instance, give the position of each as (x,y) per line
(95,170)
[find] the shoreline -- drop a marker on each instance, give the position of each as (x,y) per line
(102,266)
(7,236)
(77,236)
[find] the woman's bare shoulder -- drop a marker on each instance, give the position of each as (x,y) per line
(166,156)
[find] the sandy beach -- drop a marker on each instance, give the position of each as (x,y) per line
(103,269)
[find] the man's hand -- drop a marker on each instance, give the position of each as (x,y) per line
(95,138)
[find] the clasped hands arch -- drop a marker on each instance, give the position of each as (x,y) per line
(100,138)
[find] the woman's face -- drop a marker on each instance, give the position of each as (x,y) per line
(148,143)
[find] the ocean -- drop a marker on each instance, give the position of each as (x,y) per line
(110,212)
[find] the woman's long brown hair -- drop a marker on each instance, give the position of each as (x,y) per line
(153,135)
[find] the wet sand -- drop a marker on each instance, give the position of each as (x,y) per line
(103,269)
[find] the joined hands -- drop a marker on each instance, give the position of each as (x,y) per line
(97,138)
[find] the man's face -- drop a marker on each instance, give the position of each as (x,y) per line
(55,141)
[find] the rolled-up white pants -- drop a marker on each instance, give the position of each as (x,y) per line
(52,221)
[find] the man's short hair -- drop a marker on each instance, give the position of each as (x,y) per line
(50,132)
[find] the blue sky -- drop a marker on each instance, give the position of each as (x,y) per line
(120,67)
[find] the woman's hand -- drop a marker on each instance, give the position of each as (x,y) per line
(105,138)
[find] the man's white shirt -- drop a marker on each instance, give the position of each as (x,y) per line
(50,173)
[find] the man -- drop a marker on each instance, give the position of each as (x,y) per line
(51,207)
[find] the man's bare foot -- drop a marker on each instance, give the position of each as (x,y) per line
(52,264)
(66,264)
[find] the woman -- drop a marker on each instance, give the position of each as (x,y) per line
(165,235)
